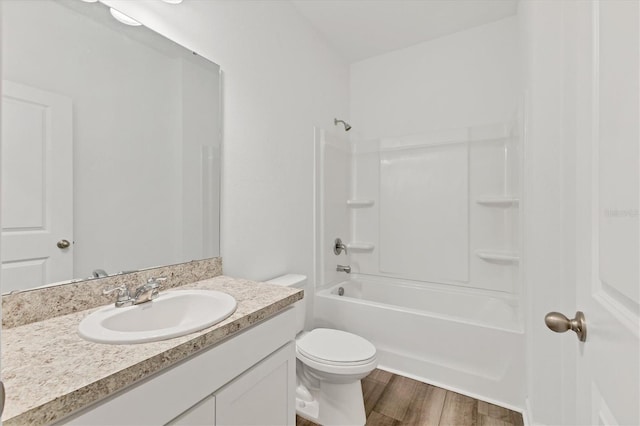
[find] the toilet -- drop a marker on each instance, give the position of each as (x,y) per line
(329,366)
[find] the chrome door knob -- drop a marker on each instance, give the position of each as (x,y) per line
(560,323)
(63,244)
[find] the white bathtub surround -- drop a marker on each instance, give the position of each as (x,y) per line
(434,252)
(442,207)
(469,342)
(439,206)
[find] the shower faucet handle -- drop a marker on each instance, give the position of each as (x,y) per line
(338,247)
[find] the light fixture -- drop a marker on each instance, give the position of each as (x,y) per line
(90,1)
(123,18)
(172,1)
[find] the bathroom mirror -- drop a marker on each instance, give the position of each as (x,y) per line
(110,146)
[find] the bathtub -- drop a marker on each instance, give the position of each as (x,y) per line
(458,339)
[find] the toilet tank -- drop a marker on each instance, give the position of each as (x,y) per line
(296,281)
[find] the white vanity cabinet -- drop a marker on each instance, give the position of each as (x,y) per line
(248,379)
(258,397)
(203,413)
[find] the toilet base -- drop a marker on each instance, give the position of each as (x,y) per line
(334,404)
(308,410)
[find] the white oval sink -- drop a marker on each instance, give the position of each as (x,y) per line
(172,314)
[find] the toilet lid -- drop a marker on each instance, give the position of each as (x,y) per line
(335,346)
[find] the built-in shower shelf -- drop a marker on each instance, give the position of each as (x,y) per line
(500,201)
(498,256)
(361,247)
(360,203)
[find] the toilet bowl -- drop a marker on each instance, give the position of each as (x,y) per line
(329,366)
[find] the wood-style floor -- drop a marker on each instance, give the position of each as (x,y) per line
(392,400)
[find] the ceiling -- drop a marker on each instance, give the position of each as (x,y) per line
(360,29)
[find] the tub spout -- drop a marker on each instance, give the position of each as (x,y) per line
(344,268)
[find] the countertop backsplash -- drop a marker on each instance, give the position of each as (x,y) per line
(48,302)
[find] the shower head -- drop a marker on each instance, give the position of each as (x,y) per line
(346,125)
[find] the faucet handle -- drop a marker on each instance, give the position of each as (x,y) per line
(151,288)
(155,282)
(124,297)
(122,290)
(339,247)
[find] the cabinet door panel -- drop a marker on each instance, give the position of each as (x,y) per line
(201,414)
(263,395)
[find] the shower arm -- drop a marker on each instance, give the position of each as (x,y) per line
(346,125)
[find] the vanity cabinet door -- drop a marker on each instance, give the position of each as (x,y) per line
(201,414)
(263,395)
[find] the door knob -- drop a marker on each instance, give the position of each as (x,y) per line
(63,244)
(559,323)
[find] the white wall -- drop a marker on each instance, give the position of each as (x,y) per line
(279,81)
(465,79)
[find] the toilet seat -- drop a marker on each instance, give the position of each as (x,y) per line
(335,351)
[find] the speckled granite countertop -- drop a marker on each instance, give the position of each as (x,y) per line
(49,371)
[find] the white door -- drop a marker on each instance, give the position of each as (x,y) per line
(608,184)
(37,185)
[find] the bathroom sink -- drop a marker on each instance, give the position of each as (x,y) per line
(171,314)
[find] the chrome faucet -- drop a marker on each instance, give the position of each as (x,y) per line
(99,273)
(149,291)
(344,268)
(144,293)
(124,297)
